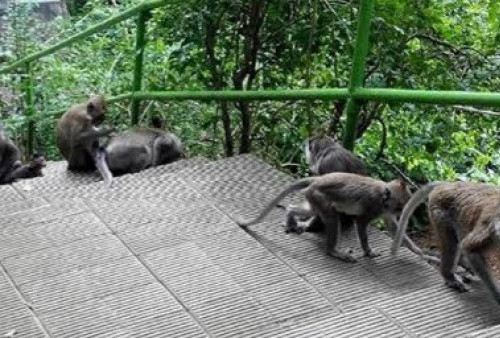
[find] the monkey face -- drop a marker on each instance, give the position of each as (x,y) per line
(38,162)
(97,109)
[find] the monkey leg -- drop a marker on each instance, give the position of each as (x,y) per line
(320,204)
(450,251)
(362,227)
(479,265)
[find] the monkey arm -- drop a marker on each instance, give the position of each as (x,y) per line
(95,133)
(8,161)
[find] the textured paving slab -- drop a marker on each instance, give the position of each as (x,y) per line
(158,255)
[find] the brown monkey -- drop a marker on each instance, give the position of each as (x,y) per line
(363,197)
(467,218)
(77,137)
(141,148)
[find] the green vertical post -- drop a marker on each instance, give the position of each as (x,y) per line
(358,70)
(30,109)
(140,42)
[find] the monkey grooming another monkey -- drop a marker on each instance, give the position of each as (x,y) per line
(77,137)
(326,155)
(467,218)
(141,148)
(363,197)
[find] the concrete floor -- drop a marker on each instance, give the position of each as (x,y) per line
(159,255)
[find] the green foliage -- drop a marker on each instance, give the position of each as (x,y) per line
(426,45)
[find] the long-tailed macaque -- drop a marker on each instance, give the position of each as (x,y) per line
(325,155)
(30,170)
(9,157)
(77,137)
(11,168)
(363,197)
(140,148)
(467,219)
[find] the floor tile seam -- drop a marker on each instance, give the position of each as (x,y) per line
(333,304)
(34,315)
(152,273)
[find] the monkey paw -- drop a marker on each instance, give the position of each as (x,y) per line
(344,256)
(456,285)
(372,254)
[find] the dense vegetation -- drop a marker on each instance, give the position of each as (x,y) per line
(269,44)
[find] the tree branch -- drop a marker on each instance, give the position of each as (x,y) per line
(476,111)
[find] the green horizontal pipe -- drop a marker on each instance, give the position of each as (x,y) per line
(294,94)
(443,97)
(86,33)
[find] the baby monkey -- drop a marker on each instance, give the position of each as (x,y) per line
(467,218)
(363,197)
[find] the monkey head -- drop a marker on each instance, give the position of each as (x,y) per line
(316,144)
(37,162)
(97,109)
(169,148)
(398,195)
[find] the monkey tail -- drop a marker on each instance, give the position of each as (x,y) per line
(300,184)
(418,198)
(102,167)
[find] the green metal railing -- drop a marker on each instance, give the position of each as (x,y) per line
(356,94)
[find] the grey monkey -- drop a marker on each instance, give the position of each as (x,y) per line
(140,148)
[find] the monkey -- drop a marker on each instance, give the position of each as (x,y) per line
(363,197)
(9,157)
(11,168)
(140,148)
(77,137)
(325,155)
(466,216)
(32,169)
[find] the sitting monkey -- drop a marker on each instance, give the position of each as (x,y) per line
(140,148)
(77,137)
